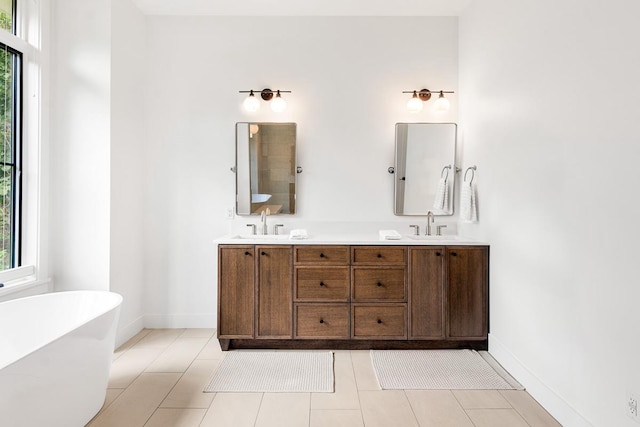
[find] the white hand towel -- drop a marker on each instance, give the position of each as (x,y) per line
(298,234)
(441,201)
(468,206)
(389,235)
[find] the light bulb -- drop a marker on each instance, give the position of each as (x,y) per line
(442,104)
(414,105)
(251,103)
(253,129)
(278,105)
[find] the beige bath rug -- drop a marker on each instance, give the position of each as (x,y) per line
(438,370)
(274,372)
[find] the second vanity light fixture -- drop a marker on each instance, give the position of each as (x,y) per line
(252,103)
(419,97)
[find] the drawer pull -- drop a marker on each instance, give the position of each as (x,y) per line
(321,283)
(321,255)
(454,254)
(247,253)
(379,284)
(437,253)
(379,255)
(321,320)
(263,253)
(379,321)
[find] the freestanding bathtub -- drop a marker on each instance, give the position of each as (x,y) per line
(55,355)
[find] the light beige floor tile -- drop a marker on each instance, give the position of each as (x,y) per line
(138,402)
(363,370)
(336,418)
(130,343)
(384,408)
(346,391)
(496,418)
(188,391)
(481,399)
(437,408)
(132,363)
(159,338)
(233,409)
(534,414)
(284,410)
(112,394)
(164,417)
(178,356)
(212,350)
(198,333)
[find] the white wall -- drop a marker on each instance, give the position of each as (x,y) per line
(80,144)
(346,74)
(128,65)
(549,108)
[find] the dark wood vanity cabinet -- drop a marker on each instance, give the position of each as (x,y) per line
(273,292)
(341,296)
(449,292)
(467,279)
(236,291)
(427,299)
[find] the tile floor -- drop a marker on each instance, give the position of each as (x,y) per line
(157,379)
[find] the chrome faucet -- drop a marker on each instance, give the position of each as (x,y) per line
(263,223)
(429,222)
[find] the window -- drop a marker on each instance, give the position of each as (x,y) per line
(7,15)
(10,138)
(9,158)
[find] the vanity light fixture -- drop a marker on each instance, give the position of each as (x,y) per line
(419,97)
(252,103)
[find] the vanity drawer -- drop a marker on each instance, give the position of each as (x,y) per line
(330,321)
(379,284)
(379,255)
(321,284)
(384,321)
(321,255)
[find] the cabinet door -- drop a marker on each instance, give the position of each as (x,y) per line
(275,300)
(426,298)
(236,291)
(467,292)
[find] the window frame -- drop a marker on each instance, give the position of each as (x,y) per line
(16,149)
(30,23)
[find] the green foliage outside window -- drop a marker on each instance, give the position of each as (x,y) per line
(7,158)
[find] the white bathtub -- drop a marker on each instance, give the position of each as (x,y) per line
(55,355)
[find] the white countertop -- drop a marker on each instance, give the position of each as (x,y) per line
(347,239)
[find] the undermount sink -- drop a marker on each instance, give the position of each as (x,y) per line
(261,237)
(437,238)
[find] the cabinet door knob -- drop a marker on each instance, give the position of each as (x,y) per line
(263,253)
(321,255)
(454,254)
(379,321)
(321,320)
(321,283)
(437,253)
(379,255)
(379,284)
(247,253)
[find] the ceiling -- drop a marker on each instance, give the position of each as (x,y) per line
(304,7)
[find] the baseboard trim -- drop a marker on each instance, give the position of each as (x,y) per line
(125,333)
(172,321)
(560,409)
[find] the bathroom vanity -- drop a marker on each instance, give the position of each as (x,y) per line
(352,294)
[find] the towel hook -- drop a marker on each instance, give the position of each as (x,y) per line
(473,173)
(447,169)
